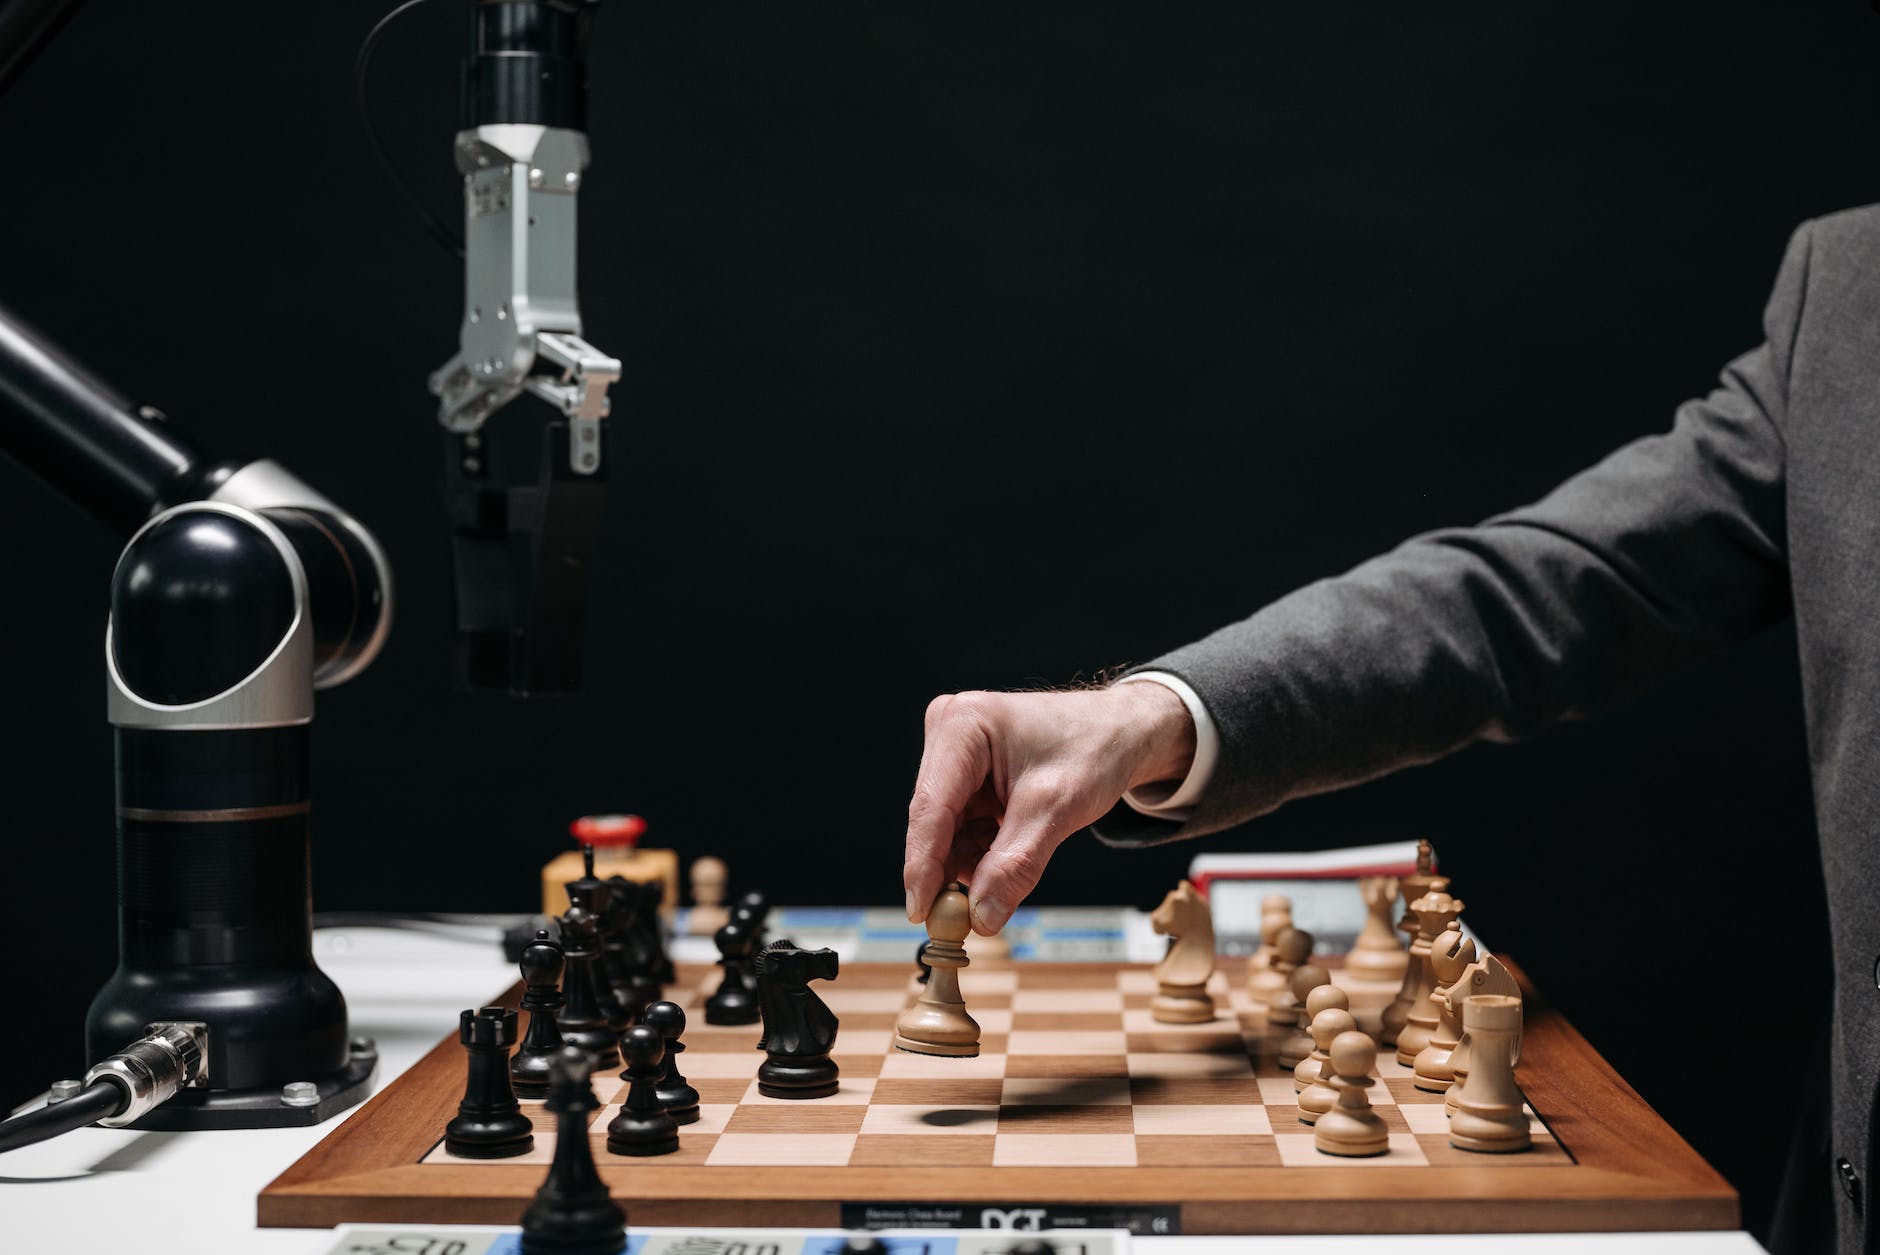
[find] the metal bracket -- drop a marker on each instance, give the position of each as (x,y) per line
(521,329)
(579,391)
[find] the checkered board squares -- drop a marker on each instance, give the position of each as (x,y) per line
(1074,1073)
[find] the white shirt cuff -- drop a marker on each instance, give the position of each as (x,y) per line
(1174,802)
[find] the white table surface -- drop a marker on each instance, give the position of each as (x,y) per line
(114,1190)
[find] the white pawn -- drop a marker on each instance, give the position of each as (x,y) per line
(1291,947)
(1324,998)
(1297,1046)
(1319,1097)
(1488,1114)
(1275,915)
(1351,1128)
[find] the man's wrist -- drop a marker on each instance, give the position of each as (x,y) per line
(1162,718)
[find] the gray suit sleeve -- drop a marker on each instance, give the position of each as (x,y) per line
(1669,548)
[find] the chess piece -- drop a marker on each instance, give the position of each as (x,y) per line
(622,956)
(1450,954)
(541,968)
(489,1123)
(1489,1116)
(752,913)
(646,939)
(613,988)
(1487,975)
(708,913)
(799,1028)
(754,906)
(1376,954)
(1326,997)
(1433,910)
(1412,887)
(920,961)
(642,1126)
(938,1023)
(1182,976)
(993,949)
(1351,1128)
(1318,1097)
(596,897)
(1294,1048)
(581,1019)
(675,1093)
(1291,947)
(572,1214)
(735,1001)
(1275,918)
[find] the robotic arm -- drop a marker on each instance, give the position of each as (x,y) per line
(525,514)
(241,591)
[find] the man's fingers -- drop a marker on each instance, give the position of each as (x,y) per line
(1037,819)
(953,764)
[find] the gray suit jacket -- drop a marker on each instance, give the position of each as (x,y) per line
(1762,501)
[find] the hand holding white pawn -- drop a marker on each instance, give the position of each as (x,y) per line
(938,1024)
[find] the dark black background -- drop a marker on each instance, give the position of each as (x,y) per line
(965,346)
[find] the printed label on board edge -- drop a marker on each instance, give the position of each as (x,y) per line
(1151,1219)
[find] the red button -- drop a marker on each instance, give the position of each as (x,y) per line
(608,829)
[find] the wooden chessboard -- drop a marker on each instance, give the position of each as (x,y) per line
(1079,1099)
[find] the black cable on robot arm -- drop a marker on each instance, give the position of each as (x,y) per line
(432,225)
(94,1103)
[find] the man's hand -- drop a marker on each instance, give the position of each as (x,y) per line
(1005,777)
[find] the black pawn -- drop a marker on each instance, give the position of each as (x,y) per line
(748,915)
(863,1244)
(572,1214)
(642,1127)
(675,1094)
(755,907)
(489,1123)
(920,961)
(541,997)
(736,999)
(583,1019)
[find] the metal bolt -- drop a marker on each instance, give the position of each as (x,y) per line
(62,1090)
(587,434)
(476,315)
(587,459)
(300,1094)
(573,180)
(472,465)
(502,311)
(471,441)
(535,177)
